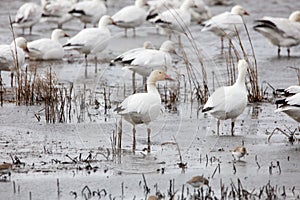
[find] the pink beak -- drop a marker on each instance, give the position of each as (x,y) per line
(167,77)
(246,13)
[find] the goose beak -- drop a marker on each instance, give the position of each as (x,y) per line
(66,35)
(167,77)
(26,50)
(246,13)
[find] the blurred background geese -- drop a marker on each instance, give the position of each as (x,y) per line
(91,40)
(226,24)
(280,32)
(89,12)
(27,16)
(131,16)
(229,102)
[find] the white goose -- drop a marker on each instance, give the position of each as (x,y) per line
(89,11)
(27,16)
(143,108)
(280,32)
(131,54)
(175,19)
(229,102)
(291,90)
(145,61)
(91,40)
(128,55)
(131,16)
(226,24)
(46,48)
(57,11)
(290,106)
(8,54)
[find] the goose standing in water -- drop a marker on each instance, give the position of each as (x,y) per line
(27,16)
(91,40)
(226,24)
(143,108)
(229,102)
(131,16)
(280,32)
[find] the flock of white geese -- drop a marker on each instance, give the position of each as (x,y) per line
(171,17)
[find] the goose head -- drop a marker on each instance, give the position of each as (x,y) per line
(58,33)
(159,75)
(295,16)
(21,42)
(148,45)
(239,10)
(105,20)
(187,4)
(168,46)
(141,3)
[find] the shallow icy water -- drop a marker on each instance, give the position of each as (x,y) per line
(43,147)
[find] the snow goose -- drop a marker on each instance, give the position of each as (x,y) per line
(175,20)
(131,16)
(290,106)
(131,54)
(229,102)
(200,12)
(55,11)
(91,40)
(27,16)
(280,32)
(226,24)
(145,61)
(143,108)
(127,55)
(89,11)
(8,54)
(291,90)
(46,48)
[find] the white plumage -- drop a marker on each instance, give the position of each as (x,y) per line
(131,16)
(226,24)
(91,40)
(290,106)
(89,12)
(57,11)
(229,102)
(145,61)
(142,108)
(175,19)
(27,16)
(280,32)
(8,54)
(46,48)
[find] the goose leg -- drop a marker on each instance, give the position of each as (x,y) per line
(30,30)
(222,44)
(218,127)
(149,142)
(133,82)
(288,51)
(278,52)
(133,141)
(232,127)
(86,64)
(134,32)
(125,31)
(95,64)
